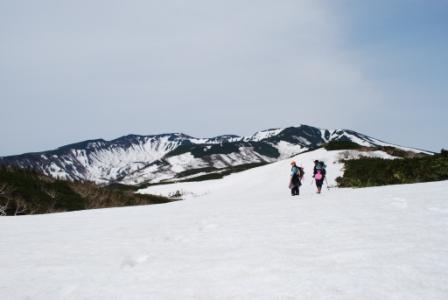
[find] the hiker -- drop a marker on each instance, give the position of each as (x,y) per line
(295,178)
(319,174)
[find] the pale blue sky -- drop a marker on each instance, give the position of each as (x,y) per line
(76,70)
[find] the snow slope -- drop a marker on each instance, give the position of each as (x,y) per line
(244,238)
(271,177)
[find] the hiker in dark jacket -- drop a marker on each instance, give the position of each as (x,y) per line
(319,174)
(295,178)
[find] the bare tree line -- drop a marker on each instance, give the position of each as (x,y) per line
(9,201)
(23,192)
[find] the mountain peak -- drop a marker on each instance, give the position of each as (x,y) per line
(133,159)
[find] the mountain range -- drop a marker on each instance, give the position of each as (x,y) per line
(149,159)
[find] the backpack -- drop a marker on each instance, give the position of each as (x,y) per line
(301,172)
(298,171)
(320,170)
(320,166)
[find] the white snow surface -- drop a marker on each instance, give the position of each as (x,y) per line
(273,176)
(287,150)
(371,142)
(246,238)
(264,134)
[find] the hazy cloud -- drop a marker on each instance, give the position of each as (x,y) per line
(72,70)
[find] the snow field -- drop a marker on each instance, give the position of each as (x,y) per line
(243,237)
(271,179)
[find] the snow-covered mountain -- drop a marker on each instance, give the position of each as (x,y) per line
(136,159)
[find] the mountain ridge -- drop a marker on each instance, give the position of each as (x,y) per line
(135,159)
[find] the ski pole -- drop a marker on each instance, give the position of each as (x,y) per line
(326,182)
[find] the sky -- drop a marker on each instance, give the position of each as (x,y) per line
(78,70)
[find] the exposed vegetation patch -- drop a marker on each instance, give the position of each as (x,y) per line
(366,172)
(199,151)
(265,149)
(204,177)
(342,145)
(213,173)
(223,172)
(25,192)
(349,145)
(400,153)
(196,171)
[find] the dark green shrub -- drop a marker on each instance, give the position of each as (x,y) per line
(341,145)
(27,192)
(374,171)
